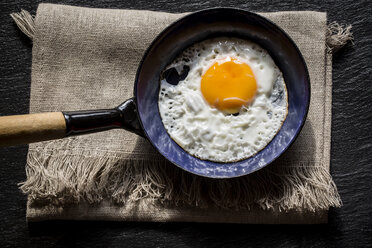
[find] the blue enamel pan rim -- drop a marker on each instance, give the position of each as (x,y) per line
(241,11)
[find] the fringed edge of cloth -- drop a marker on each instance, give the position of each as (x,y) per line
(25,22)
(91,176)
(338,35)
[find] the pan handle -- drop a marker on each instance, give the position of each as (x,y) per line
(23,129)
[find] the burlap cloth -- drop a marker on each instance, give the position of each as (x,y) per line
(87,58)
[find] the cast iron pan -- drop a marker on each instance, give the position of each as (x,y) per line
(140,114)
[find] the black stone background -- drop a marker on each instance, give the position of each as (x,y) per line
(351,162)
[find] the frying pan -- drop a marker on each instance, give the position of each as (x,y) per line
(140,114)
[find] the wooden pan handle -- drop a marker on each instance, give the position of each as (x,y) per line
(22,129)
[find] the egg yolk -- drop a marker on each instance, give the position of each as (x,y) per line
(228,86)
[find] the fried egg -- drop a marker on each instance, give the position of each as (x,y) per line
(229,102)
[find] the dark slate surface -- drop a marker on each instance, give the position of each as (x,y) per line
(349,226)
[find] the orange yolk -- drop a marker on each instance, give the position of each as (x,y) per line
(228,86)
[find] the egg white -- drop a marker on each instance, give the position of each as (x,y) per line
(204,131)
